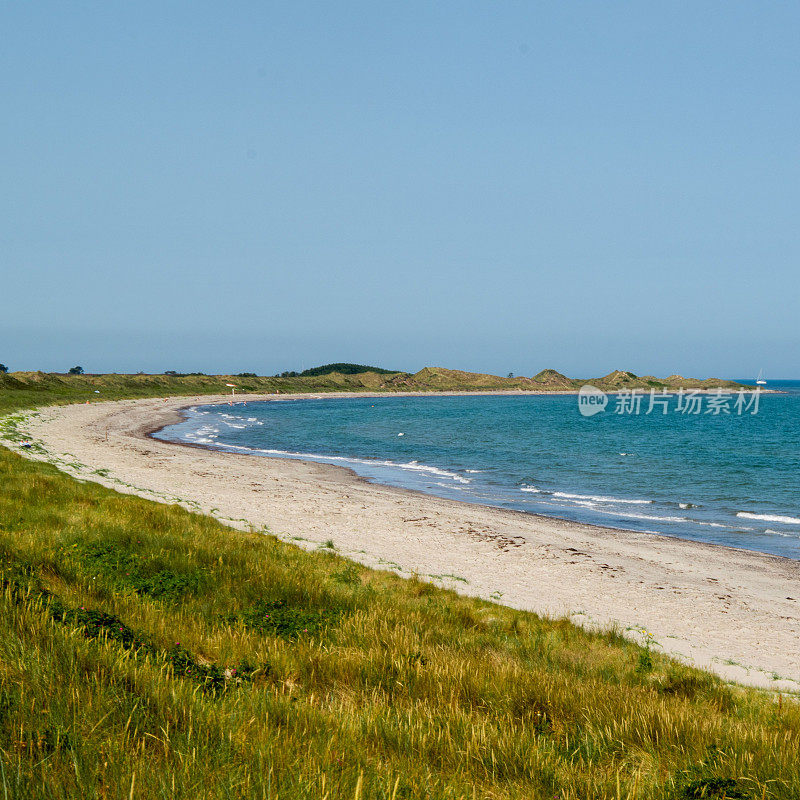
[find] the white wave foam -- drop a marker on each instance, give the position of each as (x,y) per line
(630,515)
(600,498)
(205,434)
(614,513)
(533,489)
(413,466)
(769,518)
(715,524)
(656,518)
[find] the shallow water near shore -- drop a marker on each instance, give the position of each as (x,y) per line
(727,479)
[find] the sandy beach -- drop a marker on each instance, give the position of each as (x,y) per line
(732,611)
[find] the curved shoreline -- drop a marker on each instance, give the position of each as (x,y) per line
(179,415)
(734,611)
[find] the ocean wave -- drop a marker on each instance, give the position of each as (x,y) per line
(630,515)
(416,466)
(717,525)
(584,499)
(207,432)
(600,498)
(781,520)
(608,512)
(412,466)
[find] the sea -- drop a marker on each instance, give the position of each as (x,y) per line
(723,469)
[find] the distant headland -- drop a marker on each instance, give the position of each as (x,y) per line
(339,377)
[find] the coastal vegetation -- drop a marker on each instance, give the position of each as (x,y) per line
(147,651)
(28,389)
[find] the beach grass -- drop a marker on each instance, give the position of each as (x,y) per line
(148,652)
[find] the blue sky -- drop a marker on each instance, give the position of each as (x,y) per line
(487,186)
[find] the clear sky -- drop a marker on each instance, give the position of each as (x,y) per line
(261,186)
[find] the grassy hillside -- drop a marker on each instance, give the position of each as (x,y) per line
(28,389)
(149,652)
(440,379)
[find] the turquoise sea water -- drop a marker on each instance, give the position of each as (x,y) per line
(728,479)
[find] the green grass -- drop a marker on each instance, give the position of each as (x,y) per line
(149,652)
(23,390)
(142,644)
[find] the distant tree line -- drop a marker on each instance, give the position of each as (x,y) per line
(345,369)
(325,369)
(70,371)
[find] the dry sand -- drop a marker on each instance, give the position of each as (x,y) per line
(732,611)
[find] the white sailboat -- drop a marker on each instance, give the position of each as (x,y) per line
(760,379)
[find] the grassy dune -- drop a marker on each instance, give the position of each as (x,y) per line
(28,389)
(149,652)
